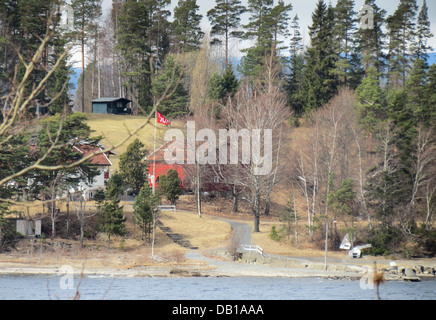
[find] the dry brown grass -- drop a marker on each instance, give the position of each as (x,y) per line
(205,232)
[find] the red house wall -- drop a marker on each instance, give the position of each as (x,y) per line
(162,168)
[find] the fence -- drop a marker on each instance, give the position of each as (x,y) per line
(167,208)
(255,248)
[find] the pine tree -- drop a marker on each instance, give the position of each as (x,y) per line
(223,87)
(401,31)
(266,23)
(113,221)
(257,30)
(296,75)
(59,84)
(416,92)
(371,41)
(230,83)
(143,206)
(430,96)
(159,31)
(278,21)
(170,76)
(320,83)
(132,167)
(371,101)
(296,45)
(225,19)
(133,32)
(115,186)
(187,34)
(86,13)
(344,28)
(423,34)
(170,186)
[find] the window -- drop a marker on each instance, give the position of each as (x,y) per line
(216,179)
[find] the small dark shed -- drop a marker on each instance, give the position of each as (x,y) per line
(111,105)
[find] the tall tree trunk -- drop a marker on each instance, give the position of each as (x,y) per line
(256,205)
(235,196)
(198,185)
(83,73)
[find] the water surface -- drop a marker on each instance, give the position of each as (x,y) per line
(46,287)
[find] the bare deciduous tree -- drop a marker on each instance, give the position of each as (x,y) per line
(265,111)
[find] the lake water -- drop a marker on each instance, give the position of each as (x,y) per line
(51,287)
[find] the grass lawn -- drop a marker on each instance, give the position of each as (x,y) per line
(115,128)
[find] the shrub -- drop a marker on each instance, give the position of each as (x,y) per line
(274,235)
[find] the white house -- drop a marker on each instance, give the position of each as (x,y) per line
(102,162)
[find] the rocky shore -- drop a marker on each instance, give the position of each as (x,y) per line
(217,264)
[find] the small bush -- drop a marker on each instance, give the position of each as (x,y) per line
(274,235)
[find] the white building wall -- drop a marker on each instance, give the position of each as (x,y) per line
(89,189)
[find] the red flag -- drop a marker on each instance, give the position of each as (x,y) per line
(162,119)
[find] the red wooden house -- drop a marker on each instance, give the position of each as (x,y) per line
(210,179)
(162,167)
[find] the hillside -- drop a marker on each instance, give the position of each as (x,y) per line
(114,128)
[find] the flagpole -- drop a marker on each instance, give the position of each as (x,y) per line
(154,153)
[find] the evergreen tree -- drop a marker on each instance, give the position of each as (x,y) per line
(14,156)
(370,41)
(342,201)
(31,15)
(170,186)
(132,167)
(187,34)
(59,84)
(344,28)
(143,207)
(266,23)
(416,92)
(401,31)
(133,45)
(223,87)
(86,14)
(371,101)
(159,31)
(296,76)
(23,23)
(215,89)
(320,83)
(257,30)
(430,96)
(225,19)
(170,76)
(75,130)
(115,186)
(405,122)
(278,21)
(423,34)
(296,45)
(112,219)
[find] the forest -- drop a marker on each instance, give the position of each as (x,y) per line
(353,113)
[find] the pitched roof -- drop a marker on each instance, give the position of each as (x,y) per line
(112,99)
(160,153)
(175,145)
(98,159)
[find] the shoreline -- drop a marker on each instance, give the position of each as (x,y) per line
(200,266)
